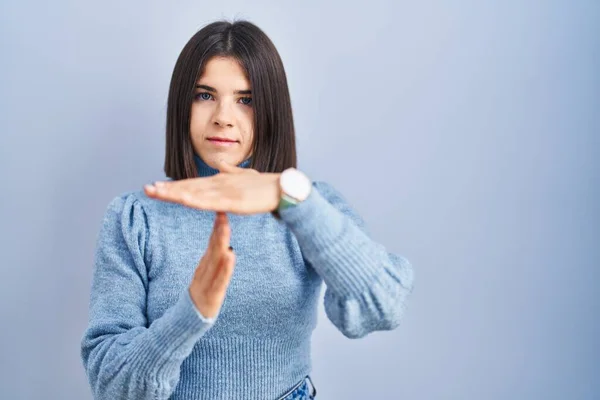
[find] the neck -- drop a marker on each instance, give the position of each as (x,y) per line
(205,170)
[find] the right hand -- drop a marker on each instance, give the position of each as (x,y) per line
(214,271)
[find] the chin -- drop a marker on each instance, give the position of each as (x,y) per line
(213,158)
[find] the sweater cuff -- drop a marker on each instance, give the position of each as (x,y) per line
(174,336)
(342,253)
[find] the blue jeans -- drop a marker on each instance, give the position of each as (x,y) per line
(303,390)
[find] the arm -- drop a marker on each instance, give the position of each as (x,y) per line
(122,355)
(366,286)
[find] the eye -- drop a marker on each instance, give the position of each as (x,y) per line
(203,96)
(246,100)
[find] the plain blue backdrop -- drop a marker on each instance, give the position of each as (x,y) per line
(466,133)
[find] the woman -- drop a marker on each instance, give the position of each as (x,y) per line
(238,323)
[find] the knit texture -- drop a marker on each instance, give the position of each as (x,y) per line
(146,339)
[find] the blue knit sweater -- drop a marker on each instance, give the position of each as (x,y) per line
(147,340)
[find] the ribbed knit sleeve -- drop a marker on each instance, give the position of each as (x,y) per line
(124,358)
(366,286)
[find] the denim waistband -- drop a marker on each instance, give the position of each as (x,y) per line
(303,390)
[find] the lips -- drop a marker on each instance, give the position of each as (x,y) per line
(221,139)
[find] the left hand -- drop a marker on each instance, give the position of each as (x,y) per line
(233,190)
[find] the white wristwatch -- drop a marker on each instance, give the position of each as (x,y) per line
(295,187)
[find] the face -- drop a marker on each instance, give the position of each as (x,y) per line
(221,125)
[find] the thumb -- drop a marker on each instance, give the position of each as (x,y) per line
(224,166)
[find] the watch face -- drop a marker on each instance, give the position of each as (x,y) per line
(295,184)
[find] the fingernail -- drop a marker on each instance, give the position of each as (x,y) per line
(150,188)
(159,184)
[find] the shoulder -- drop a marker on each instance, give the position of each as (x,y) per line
(133,207)
(124,210)
(126,201)
(137,200)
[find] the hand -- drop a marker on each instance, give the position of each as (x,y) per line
(234,190)
(214,271)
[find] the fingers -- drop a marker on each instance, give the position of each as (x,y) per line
(217,233)
(160,188)
(207,256)
(214,273)
(218,245)
(223,274)
(223,232)
(200,193)
(181,192)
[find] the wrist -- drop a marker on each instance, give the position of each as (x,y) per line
(293,188)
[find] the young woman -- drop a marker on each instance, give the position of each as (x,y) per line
(205,286)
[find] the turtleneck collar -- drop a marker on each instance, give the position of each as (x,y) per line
(205,170)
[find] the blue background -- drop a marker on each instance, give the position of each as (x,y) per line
(466,133)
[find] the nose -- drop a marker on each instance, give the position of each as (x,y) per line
(223,116)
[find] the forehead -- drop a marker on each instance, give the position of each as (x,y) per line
(224,74)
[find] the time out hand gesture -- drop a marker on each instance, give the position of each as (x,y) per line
(214,271)
(234,190)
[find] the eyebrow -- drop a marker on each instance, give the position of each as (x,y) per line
(211,89)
